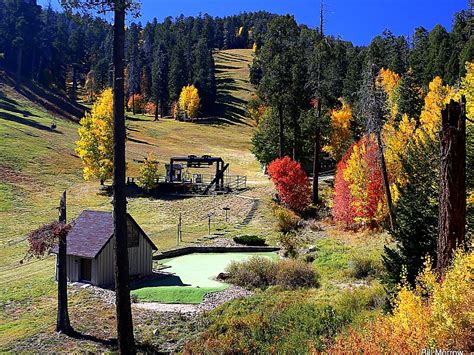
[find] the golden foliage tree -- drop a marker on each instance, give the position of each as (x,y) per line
(149,173)
(95,144)
(389,81)
(189,101)
(438,96)
(340,137)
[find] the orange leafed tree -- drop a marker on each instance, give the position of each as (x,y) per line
(340,136)
(291,182)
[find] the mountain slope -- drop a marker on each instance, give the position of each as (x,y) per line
(37,164)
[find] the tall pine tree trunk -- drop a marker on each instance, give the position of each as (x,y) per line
(74,82)
(452,185)
(122,290)
(133,104)
(295,136)
(316,150)
(281,139)
(157,101)
(19,61)
(386,184)
(62,324)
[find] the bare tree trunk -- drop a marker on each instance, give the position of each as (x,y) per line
(295,137)
(133,104)
(281,139)
(452,185)
(122,291)
(386,184)
(74,82)
(317,148)
(317,136)
(156,108)
(62,324)
(18,64)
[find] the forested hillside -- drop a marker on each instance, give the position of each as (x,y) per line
(324,190)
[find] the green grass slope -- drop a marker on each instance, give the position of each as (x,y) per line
(37,164)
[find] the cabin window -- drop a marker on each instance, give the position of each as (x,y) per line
(132,235)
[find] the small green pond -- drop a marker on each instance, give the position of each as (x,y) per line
(191,277)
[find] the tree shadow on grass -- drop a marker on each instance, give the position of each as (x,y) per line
(159,280)
(80,336)
(21,120)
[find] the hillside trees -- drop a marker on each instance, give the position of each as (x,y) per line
(133,60)
(281,80)
(159,80)
(95,144)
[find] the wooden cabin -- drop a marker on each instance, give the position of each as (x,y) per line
(90,249)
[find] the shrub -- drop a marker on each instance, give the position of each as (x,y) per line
(291,182)
(256,272)
(149,173)
(261,272)
(287,221)
(293,274)
(150,108)
(290,243)
(136,103)
(250,240)
(362,266)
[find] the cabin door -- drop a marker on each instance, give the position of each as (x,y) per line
(86,270)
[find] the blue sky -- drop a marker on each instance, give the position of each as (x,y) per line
(355,20)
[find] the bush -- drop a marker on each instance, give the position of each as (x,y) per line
(253,240)
(293,274)
(261,272)
(363,266)
(136,103)
(149,173)
(287,221)
(256,272)
(290,244)
(150,108)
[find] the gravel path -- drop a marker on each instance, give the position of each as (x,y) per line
(211,301)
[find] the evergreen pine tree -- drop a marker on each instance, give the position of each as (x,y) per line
(417,216)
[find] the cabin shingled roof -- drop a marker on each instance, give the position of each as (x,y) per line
(90,232)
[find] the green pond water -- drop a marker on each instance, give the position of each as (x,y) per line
(190,277)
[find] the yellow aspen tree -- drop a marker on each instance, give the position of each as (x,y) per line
(149,173)
(189,101)
(254,47)
(95,144)
(389,81)
(340,131)
(436,99)
(396,139)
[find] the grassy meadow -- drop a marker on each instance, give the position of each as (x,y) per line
(37,164)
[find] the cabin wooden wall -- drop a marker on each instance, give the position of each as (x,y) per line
(140,260)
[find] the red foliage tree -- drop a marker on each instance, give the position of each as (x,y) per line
(291,182)
(358,187)
(343,210)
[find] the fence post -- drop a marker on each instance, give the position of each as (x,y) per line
(180,228)
(209,223)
